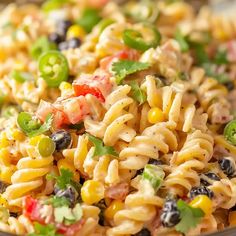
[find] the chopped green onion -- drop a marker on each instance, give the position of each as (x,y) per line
(21,76)
(90,17)
(230,132)
(134,39)
(154,174)
(46,147)
(54,68)
(40,46)
(32,127)
(221,57)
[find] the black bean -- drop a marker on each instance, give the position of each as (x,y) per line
(55,38)
(69,193)
(63,26)
(170,215)
(63,46)
(229,85)
(227,165)
(143,232)
(62,139)
(208,178)
(201,190)
(155,162)
(74,43)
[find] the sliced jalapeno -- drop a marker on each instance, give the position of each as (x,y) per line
(33,127)
(134,39)
(104,23)
(54,68)
(230,132)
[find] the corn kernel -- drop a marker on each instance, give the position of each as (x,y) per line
(232,218)
(155,115)
(35,140)
(2,55)
(92,191)
(203,202)
(63,164)
(18,65)
(18,135)
(75,31)
(115,206)
(4,142)
(65,86)
(3,201)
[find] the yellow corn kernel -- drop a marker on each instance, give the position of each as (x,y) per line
(115,206)
(232,218)
(92,191)
(35,140)
(63,164)
(158,100)
(5,158)
(2,55)
(203,202)
(75,31)
(18,135)
(65,86)
(3,201)
(155,115)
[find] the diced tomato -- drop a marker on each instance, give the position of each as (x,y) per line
(117,192)
(70,230)
(46,108)
(231,50)
(98,85)
(82,90)
(106,62)
(75,109)
(97,3)
(31,209)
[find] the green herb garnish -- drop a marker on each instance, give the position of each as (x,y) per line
(181,39)
(189,216)
(123,68)
(44,230)
(137,93)
(56,201)
(90,17)
(100,148)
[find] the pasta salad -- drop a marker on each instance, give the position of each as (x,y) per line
(117,119)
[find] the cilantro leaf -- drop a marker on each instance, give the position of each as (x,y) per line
(63,180)
(100,149)
(123,68)
(221,57)
(90,17)
(183,43)
(190,217)
(137,93)
(200,53)
(44,230)
(57,201)
(67,215)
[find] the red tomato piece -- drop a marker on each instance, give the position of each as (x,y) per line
(97,3)
(31,209)
(82,90)
(98,85)
(75,109)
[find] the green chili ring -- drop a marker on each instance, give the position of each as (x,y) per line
(54,68)
(134,39)
(230,132)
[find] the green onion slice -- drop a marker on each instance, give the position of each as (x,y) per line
(53,67)
(154,174)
